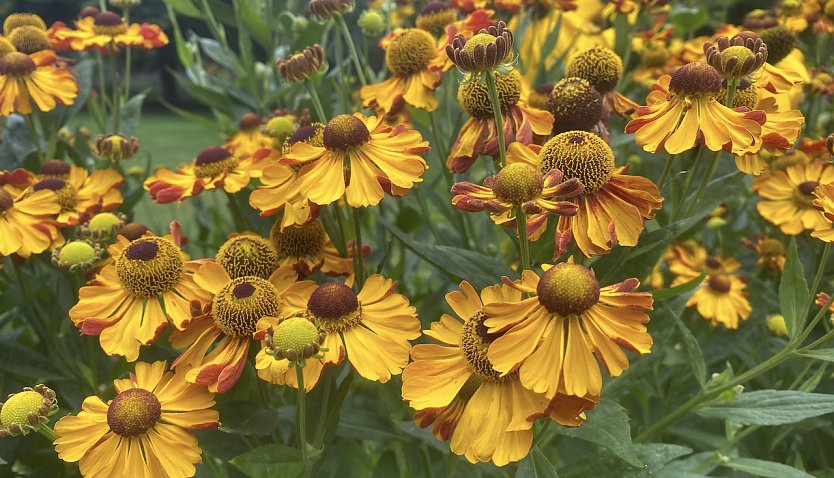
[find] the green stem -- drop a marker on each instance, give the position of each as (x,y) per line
(690,175)
(523,244)
(499,118)
(33,132)
(357,65)
(127,59)
(314,97)
(91,356)
(713,166)
(117,100)
(340,221)
(732,85)
(667,168)
(302,419)
(815,285)
(357,249)
(424,209)
(441,149)
(240,219)
(318,438)
(48,432)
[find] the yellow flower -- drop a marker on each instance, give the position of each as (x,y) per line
(411,56)
(106,30)
(131,301)
(36,78)
(613,204)
(308,249)
(27,218)
(372,328)
(682,110)
(454,387)
(824,202)
(143,431)
(551,336)
(721,299)
(249,137)
(688,260)
(217,340)
(380,158)
(213,168)
(771,251)
(787,197)
(81,194)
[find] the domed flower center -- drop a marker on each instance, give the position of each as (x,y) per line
(29,39)
(16,65)
(6,47)
(334,307)
(133,412)
(713,264)
(105,223)
(771,247)
(311,135)
(6,201)
(481,39)
(296,337)
(740,53)
(568,289)
(16,20)
(108,24)
(581,155)
(719,283)
(88,11)
(780,42)
(67,194)
(133,231)
(77,252)
(599,65)
(241,303)
(55,168)
(214,161)
(302,241)
(149,266)
(248,255)
(279,127)
(574,104)
(410,52)
(345,132)
(655,57)
(807,188)
(746,97)
(696,78)
(517,183)
(474,342)
(249,122)
(435,16)
(474,96)
(17,408)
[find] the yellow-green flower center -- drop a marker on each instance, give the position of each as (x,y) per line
(17,408)
(279,127)
(298,242)
(248,255)
(481,39)
(334,307)
(372,22)
(517,183)
(474,342)
(741,53)
(296,335)
(104,223)
(214,161)
(149,266)
(434,17)
(410,52)
(771,247)
(568,289)
(581,155)
(655,57)
(16,20)
(77,252)
(241,303)
(28,39)
(473,96)
(599,65)
(345,132)
(133,412)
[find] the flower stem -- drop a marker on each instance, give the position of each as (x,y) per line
(667,168)
(499,119)
(357,249)
(732,85)
(713,166)
(318,438)
(523,244)
(352,49)
(302,419)
(48,432)
(33,132)
(117,100)
(240,219)
(314,97)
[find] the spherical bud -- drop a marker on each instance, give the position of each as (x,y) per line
(116,147)
(486,50)
(326,9)
(78,255)
(738,56)
(372,22)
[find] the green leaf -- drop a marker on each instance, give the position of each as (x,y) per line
(768,469)
(25,362)
(680,289)
(688,19)
(275,461)
(793,291)
(130,114)
(247,418)
(771,407)
(386,466)
(820,354)
(607,426)
(478,269)
(255,24)
(654,456)
(535,465)
(184,7)
(694,353)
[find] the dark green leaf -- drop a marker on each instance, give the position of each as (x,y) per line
(771,407)
(680,289)
(131,113)
(25,362)
(274,461)
(793,291)
(248,419)
(768,469)
(654,456)
(689,19)
(820,354)
(535,465)
(184,7)
(386,466)
(607,426)
(694,353)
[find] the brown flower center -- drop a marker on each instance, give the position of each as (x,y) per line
(149,266)
(133,412)
(574,104)
(248,255)
(410,52)
(599,65)
(696,78)
(214,161)
(334,307)
(303,241)
(581,155)
(6,201)
(16,64)
(67,194)
(719,283)
(241,303)
(474,343)
(29,39)
(108,24)
(568,289)
(55,168)
(345,132)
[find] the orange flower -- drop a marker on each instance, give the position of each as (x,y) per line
(107,30)
(36,78)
